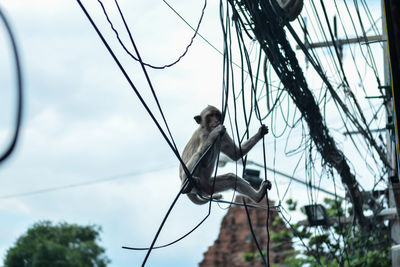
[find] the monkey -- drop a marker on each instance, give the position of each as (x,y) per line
(212,133)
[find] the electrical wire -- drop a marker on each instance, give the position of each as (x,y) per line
(76,185)
(244,53)
(189,177)
(137,59)
(351,52)
(143,102)
(294,231)
(338,99)
(274,54)
(343,72)
(146,75)
(361,49)
(19,88)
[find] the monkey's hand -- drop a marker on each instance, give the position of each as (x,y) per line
(269,185)
(263,130)
(218,131)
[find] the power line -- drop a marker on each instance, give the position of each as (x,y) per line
(295,179)
(137,59)
(18,71)
(200,35)
(75,185)
(228,74)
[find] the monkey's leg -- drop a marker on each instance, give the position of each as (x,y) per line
(231,181)
(189,186)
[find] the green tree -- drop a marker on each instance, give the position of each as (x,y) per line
(339,243)
(45,244)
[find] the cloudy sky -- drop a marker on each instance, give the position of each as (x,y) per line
(88,139)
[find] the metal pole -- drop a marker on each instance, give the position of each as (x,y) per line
(391,146)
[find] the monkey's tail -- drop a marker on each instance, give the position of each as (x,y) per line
(196,199)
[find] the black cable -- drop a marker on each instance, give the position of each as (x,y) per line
(258,115)
(172,205)
(187,172)
(227,34)
(337,98)
(236,164)
(371,19)
(266,263)
(341,230)
(352,54)
(145,73)
(374,68)
(294,231)
(325,38)
(272,208)
(189,177)
(68,186)
(268,204)
(310,164)
(269,33)
(175,241)
(11,146)
(330,61)
(201,36)
(361,49)
(265,68)
(227,57)
(338,55)
(136,58)
(343,72)
(179,194)
(243,52)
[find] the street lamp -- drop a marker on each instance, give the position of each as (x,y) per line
(253,177)
(316,215)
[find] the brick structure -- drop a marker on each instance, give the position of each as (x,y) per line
(235,238)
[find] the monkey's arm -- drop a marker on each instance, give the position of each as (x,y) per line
(229,148)
(197,146)
(190,156)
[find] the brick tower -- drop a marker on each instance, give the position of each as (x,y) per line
(235,238)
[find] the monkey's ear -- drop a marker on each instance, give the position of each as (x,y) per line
(197,119)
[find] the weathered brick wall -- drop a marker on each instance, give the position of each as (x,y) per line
(235,238)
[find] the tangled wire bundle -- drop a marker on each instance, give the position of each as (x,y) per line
(267,26)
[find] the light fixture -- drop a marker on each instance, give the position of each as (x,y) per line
(316,215)
(253,177)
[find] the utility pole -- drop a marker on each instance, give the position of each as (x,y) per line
(391,72)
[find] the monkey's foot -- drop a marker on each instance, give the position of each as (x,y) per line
(265,185)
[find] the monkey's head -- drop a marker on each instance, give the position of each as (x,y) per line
(209,118)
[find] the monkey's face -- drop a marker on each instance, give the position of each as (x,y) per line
(209,118)
(213,119)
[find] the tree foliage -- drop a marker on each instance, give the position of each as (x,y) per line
(339,243)
(45,245)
